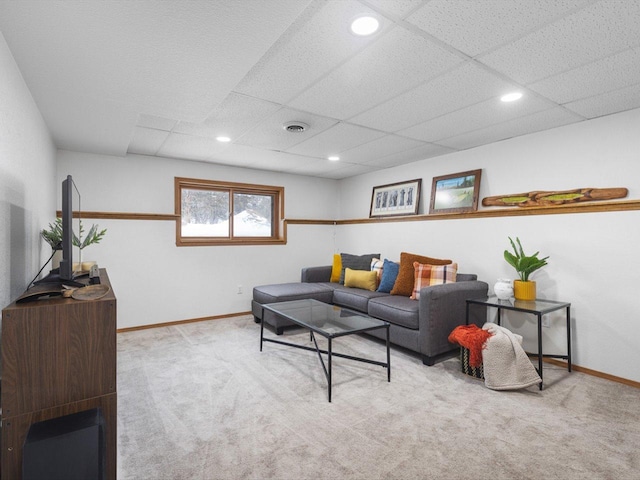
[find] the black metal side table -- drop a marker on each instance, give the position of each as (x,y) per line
(537,307)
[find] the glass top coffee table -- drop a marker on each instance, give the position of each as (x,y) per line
(329,321)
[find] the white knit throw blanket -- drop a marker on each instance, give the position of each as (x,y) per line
(506,364)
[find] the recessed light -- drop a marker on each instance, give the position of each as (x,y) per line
(223,139)
(511,97)
(365,25)
(333,158)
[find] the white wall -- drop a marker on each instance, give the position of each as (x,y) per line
(157,282)
(27,175)
(593,255)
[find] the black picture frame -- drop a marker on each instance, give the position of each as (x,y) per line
(396,199)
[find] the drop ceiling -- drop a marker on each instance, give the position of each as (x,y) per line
(165,78)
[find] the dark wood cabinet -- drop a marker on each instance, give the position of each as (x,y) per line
(58,358)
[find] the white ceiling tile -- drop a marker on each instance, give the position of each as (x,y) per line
(317,42)
(159,123)
(346,171)
(189,147)
(270,133)
(554,117)
(610,73)
(359,83)
(607,103)
(74,125)
(475,27)
(381,147)
(398,8)
(573,41)
(422,152)
(462,86)
(237,114)
(474,117)
(336,139)
(147,141)
(161,57)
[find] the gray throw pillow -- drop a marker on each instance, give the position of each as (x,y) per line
(356,262)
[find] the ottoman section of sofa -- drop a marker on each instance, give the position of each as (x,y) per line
(284,292)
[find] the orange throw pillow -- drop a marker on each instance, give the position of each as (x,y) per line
(406,274)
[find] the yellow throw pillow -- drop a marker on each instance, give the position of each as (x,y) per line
(336,268)
(364,279)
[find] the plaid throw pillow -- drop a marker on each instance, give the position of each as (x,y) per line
(428,275)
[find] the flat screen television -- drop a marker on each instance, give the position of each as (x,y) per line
(66,263)
(65,274)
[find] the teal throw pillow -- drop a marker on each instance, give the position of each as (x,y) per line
(389,273)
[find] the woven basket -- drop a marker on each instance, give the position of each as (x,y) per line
(476,372)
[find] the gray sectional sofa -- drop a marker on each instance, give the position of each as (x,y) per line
(422,326)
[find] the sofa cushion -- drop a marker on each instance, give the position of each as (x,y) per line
(356,262)
(354,298)
(292,291)
(389,275)
(395,309)
(405,281)
(429,275)
(365,279)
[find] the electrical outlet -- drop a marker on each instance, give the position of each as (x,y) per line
(239,289)
(545,322)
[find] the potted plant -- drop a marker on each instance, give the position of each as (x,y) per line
(525,265)
(53,236)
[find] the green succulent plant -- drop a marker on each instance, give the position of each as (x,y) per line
(53,236)
(525,265)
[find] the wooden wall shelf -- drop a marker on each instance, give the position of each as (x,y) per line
(594,207)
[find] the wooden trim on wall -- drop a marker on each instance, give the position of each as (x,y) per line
(181,322)
(594,373)
(596,207)
(124,215)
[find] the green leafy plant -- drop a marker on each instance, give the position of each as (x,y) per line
(525,265)
(53,236)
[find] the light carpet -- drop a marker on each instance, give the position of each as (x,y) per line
(200,401)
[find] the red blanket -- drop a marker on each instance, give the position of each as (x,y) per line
(472,338)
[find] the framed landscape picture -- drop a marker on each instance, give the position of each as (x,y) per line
(455,193)
(396,199)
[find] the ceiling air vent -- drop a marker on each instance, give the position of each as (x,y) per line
(295,127)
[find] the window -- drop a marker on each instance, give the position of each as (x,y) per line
(224,213)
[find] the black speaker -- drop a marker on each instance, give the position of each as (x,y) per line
(66,448)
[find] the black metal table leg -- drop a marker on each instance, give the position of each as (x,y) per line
(569,339)
(262,329)
(329,367)
(388,357)
(540,349)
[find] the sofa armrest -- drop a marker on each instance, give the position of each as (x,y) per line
(443,308)
(316,274)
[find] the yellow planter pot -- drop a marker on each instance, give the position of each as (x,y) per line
(524,290)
